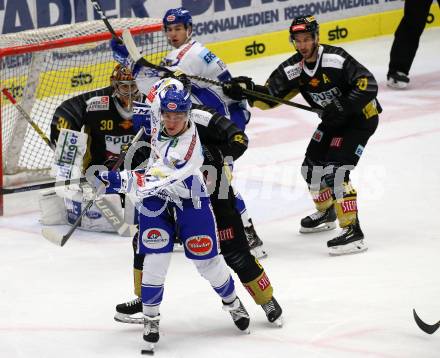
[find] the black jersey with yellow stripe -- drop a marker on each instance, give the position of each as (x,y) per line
(97,112)
(335,74)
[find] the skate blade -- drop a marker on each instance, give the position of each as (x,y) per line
(278,322)
(348,249)
(397,84)
(323,227)
(149,349)
(259,252)
(123,318)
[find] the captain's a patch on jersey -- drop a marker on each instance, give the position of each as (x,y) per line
(101,103)
(207,56)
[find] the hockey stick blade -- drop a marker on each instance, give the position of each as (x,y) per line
(427,328)
(131,46)
(52,236)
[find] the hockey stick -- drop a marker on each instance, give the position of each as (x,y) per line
(101,14)
(112,217)
(41,186)
(60,240)
(137,57)
(427,328)
(26,116)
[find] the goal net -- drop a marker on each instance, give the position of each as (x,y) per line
(42,68)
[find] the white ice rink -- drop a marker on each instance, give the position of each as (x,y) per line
(59,302)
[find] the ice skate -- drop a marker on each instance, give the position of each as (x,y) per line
(273,312)
(350,241)
(254,241)
(319,221)
(397,80)
(151,333)
(239,314)
(130,312)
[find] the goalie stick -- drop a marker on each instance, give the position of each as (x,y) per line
(60,240)
(427,328)
(41,186)
(108,211)
(26,116)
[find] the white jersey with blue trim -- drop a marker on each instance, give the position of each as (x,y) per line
(192,58)
(174,161)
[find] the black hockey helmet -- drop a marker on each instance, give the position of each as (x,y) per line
(302,24)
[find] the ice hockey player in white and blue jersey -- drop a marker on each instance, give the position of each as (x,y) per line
(173,183)
(192,58)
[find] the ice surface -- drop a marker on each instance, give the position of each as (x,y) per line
(59,302)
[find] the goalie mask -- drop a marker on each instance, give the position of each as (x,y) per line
(124,87)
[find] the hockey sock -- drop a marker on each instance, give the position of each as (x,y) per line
(323,200)
(217,273)
(260,289)
(346,207)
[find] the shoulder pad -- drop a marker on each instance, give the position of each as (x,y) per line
(333,58)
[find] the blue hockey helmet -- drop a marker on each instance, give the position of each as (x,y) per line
(177,16)
(175,100)
(301,24)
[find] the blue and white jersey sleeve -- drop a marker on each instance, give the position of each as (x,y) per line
(194,59)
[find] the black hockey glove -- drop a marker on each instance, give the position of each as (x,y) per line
(182,77)
(336,113)
(234,87)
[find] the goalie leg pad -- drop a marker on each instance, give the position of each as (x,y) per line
(96,219)
(53,210)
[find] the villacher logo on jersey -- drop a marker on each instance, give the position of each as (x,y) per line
(338,33)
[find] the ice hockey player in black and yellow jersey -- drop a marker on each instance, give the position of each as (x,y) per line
(105,114)
(331,80)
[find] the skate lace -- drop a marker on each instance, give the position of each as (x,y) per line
(317,215)
(269,307)
(133,302)
(238,312)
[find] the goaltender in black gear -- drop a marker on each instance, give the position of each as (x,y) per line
(331,80)
(105,115)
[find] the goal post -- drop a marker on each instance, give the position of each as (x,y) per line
(41,68)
